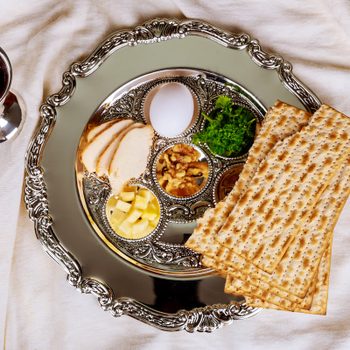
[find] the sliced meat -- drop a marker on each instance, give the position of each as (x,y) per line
(130,159)
(94,131)
(97,145)
(106,156)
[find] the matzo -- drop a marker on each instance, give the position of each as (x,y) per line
(236,286)
(236,283)
(319,297)
(281,121)
(298,265)
(288,182)
(314,302)
(313,239)
(261,290)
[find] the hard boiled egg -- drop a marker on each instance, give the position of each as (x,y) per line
(170,109)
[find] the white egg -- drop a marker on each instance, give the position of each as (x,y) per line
(171,109)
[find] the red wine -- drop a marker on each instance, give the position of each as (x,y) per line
(4,77)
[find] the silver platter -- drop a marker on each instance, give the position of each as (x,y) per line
(154,252)
(176,293)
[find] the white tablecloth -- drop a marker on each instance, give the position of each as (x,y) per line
(38,309)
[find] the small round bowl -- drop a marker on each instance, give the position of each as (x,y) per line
(226,181)
(152,92)
(157,230)
(203,158)
(244,154)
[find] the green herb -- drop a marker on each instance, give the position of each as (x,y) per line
(229,129)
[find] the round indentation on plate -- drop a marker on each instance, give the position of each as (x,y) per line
(171,108)
(182,170)
(225,182)
(219,135)
(134,213)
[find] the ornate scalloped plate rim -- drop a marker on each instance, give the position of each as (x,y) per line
(205,319)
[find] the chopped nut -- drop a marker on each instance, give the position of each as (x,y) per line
(180,172)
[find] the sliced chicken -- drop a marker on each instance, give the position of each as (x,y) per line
(106,156)
(99,128)
(130,159)
(97,145)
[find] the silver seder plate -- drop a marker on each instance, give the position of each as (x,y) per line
(154,279)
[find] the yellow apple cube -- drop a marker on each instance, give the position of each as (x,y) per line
(126,229)
(140,202)
(150,213)
(149,216)
(133,215)
(151,227)
(127,196)
(139,228)
(146,194)
(117,217)
(112,201)
(123,206)
(154,222)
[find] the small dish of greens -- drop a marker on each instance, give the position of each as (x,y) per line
(229,129)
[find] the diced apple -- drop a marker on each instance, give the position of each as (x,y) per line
(112,201)
(154,201)
(149,216)
(151,225)
(117,217)
(134,214)
(154,207)
(127,196)
(110,206)
(150,228)
(154,222)
(140,227)
(146,194)
(123,206)
(150,213)
(126,228)
(140,202)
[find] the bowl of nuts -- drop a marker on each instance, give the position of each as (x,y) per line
(182,170)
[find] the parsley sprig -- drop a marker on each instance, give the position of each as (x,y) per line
(229,129)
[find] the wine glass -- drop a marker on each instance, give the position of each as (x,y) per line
(10,111)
